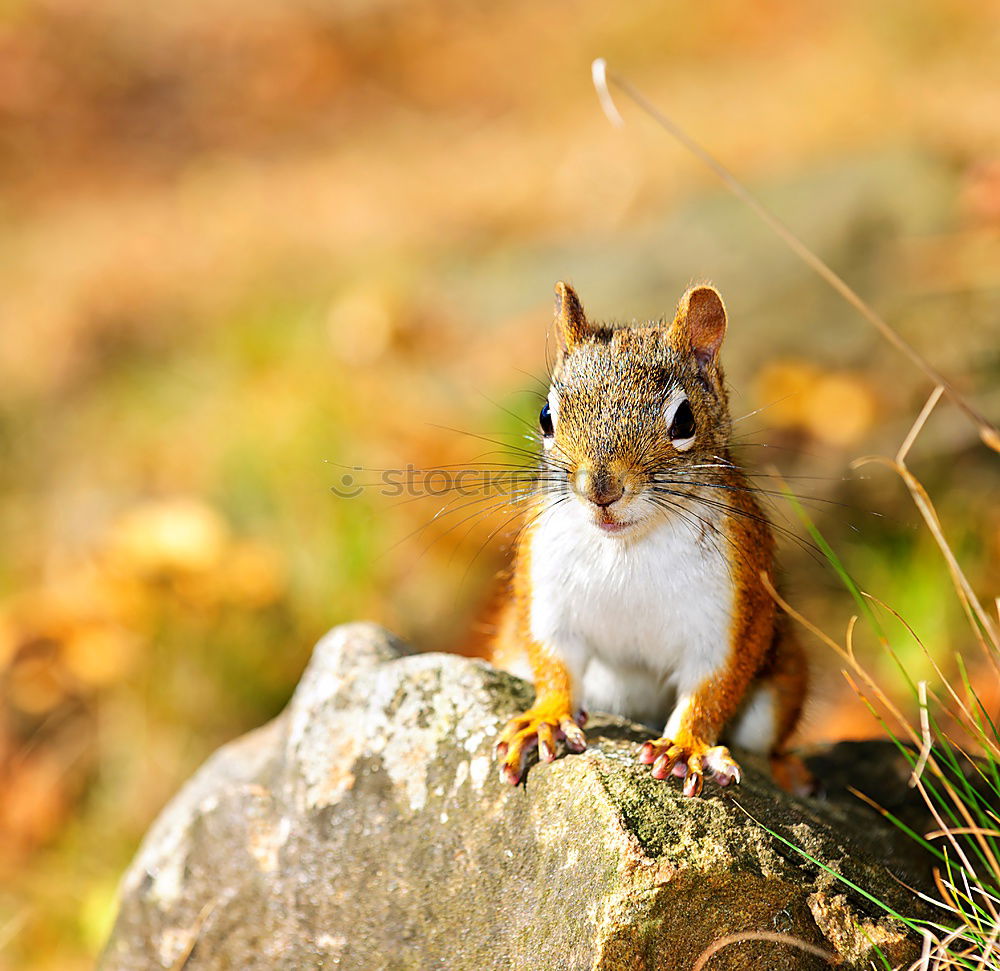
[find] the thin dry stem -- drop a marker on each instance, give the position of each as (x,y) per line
(772,936)
(925,953)
(918,425)
(868,801)
(194,933)
(849,638)
(599,75)
(925,731)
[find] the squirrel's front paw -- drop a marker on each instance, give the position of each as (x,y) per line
(541,726)
(690,761)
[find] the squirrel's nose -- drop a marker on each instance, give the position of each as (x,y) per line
(601,488)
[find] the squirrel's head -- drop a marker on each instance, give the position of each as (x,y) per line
(636,412)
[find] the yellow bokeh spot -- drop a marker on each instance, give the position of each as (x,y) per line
(783,390)
(98,655)
(839,409)
(169,536)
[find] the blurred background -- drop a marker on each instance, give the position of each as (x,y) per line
(244,245)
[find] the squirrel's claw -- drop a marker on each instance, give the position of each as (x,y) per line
(724,768)
(693,783)
(571,732)
(690,762)
(539,727)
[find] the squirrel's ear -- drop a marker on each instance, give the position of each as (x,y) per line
(701,317)
(571,322)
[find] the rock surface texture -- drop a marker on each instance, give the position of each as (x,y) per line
(366,828)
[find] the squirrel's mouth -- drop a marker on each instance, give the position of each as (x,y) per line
(608,524)
(613,527)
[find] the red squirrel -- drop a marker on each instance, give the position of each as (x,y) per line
(637,582)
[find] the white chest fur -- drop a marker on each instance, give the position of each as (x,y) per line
(638,621)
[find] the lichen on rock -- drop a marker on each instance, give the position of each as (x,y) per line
(366,828)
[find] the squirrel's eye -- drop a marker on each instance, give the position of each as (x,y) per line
(545,420)
(682,427)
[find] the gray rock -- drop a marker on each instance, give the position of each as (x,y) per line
(366,828)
